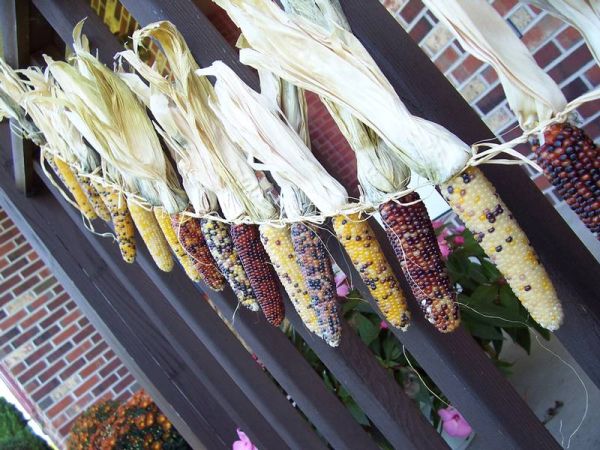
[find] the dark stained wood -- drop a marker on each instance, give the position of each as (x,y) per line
(307,389)
(427,93)
(14,25)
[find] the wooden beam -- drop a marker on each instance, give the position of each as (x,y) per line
(307,389)
(14,25)
(427,93)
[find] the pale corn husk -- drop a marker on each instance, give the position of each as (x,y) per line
(336,66)
(532,95)
(227,173)
(380,171)
(109,115)
(266,136)
(584,15)
(12,90)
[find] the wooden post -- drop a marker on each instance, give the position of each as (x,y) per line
(14,25)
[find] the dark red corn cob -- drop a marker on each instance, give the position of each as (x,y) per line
(412,236)
(317,272)
(571,162)
(189,233)
(246,239)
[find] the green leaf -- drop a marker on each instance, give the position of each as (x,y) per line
(521,337)
(357,413)
(483,331)
(391,349)
(366,329)
(350,303)
(475,272)
(490,271)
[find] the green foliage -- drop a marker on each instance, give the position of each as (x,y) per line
(15,433)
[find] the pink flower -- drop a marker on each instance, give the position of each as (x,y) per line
(437,224)
(454,423)
(459,229)
(341,285)
(459,240)
(444,248)
(244,443)
(383,325)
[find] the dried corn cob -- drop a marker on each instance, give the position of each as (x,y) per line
(152,235)
(411,234)
(122,222)
(359,240)
(68,178)
(94,197)
(164,221)
(278,243)
(571,162)
(246,239)
(316,269)
(221,247)
(189,233)
(476,202)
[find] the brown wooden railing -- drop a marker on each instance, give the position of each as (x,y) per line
(186,356)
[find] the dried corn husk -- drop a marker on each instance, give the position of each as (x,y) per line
(107,112)
(584,15)
(532,95)
(336,66)
(380,171)
(264,134)
(206,146)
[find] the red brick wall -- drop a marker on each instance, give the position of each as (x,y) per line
(51,357)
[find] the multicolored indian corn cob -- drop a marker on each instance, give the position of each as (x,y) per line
(411,234)
(571,162)
(189,232)
(358,238)
(94,197)
(221,247)
(152,235)
(478,205)
(318,275)
(164,221)
(246,239)
(68,178)
(278,244)
(122,222)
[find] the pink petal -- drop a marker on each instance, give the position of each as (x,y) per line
(444,249)
(459,229)
(383,325)
(459,240)
(446,413)
(437,223)
(343,290)
(340,278)
(454,423)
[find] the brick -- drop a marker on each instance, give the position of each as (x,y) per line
(32,268)
(492,99)
(20,239)
(83,334)
(53,318)
(58,301)
(91,368)
(46,403)
(14,267)
(71,305)
(65,334)
(58,421)
(86,386)
(446,59)
(8,235)
(10,283)
(123,384)
(18,252)
(572,63)
(16,370)
(574,89)
(412,10)
(78,351)
(60,406)
(109,355)
(593,75)
(108,382)
(65,430)
(547,54)
(520,18)
(4,299)
(34,318)
(7,247)
(32,372)
(83,321)
(72,368)
(568,38)
(24,337)
(589,109)
(45,285)
(393,6)
(70,318)
(109,368)
(38,354)
(439,38)
(96,351)
(420,30)
(122,371)
(45,389)
(46,335)
(52,370)
(32,386)
(12,320)
(60,351)
(26,285)
(37,303)
(489,75)
(504,6)
(466,68)
(541,31)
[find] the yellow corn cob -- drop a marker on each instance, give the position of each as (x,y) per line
(360,243)
(93,197)
(68,178)
(122,222)
(478,205)
(152,235)
(164,221)
(278,243)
